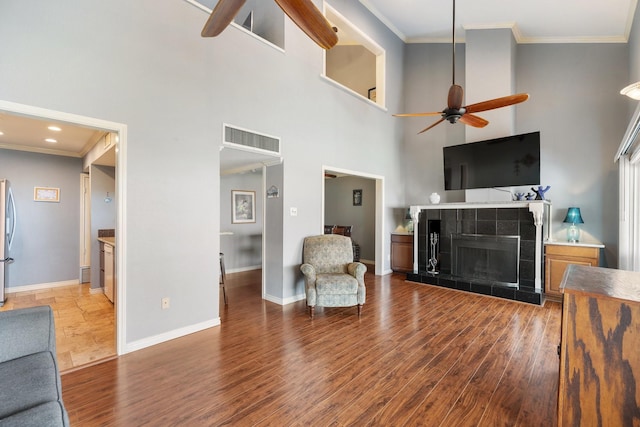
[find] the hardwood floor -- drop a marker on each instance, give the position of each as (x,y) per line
(419,355)
(85,322)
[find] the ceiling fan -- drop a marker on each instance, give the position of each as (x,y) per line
(455,112)
(302,12)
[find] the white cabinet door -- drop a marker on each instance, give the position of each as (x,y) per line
(108,272)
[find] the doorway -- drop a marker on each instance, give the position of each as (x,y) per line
(118,129)
(353,203)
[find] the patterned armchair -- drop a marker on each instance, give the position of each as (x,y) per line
(331,277)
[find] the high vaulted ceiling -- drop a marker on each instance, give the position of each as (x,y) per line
(533,21)
(414,21)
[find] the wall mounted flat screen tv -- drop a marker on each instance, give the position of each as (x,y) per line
(502,162)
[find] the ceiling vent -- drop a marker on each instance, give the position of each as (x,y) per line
(251,141)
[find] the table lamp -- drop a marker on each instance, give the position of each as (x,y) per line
(573,217)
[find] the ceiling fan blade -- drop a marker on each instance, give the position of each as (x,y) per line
(427,128)
(454,100)
(310,20)
(497,103)
(431,114)
(471,120)
(221,17)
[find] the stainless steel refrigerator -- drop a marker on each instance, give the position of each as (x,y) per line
(7,232)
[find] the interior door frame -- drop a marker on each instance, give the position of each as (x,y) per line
(379,211)
(121,190)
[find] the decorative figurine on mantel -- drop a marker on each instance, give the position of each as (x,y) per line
(519,196)
(540,191)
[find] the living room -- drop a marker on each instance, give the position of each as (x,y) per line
(144,66)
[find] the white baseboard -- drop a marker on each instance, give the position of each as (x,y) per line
(167,336)
(241,269)
(285,301)
(40,286)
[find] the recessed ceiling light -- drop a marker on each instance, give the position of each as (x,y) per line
(1,133)
(54,128)
(51,140)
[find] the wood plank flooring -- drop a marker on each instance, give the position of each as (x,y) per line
(85,322)
(419,355)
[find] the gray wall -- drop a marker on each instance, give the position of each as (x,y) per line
(103,214)
(47,239)
(575,104)
(144,64)
(243,249)
(339,210)
(273,234)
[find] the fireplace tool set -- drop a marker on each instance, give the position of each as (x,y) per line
(433,260)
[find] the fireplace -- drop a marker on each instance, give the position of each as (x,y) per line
(493,259)
(507,258)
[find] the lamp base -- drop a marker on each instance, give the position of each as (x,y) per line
(573,234)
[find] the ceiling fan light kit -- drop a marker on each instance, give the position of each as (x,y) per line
(455,112)
(302,12)
(632,91)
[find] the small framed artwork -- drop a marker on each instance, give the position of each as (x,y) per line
(46,194)
(357,197)
(243,206)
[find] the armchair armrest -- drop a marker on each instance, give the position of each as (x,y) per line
(309,272)
(26,331)
(357,270)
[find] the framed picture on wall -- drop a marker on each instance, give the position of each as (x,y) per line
(46,194)
(357,197)
(243,206)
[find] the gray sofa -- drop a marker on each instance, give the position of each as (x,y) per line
(30,389)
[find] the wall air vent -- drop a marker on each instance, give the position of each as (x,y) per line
(241,138)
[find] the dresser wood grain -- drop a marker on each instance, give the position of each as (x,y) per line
(600,348)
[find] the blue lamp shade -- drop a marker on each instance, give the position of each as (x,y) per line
(573,216)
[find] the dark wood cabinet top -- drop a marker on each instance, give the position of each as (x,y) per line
(597,281)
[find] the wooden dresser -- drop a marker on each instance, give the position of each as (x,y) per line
(557,256)
(402,252)
(600,348)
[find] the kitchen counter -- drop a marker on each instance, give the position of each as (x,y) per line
(108,240)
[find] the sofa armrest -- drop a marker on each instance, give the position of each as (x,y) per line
(26,331)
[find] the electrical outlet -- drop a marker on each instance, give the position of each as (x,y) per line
(293,211)
(165,303)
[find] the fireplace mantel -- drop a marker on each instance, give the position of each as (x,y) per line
(540,218)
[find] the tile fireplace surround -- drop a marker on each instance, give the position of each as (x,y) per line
(530,220)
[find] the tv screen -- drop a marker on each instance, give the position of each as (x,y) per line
(502,162)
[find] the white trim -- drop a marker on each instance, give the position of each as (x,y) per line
(166,336)
(629,226)
(359,37)
(121,190)
(284,301)
(386,21)
(380,249)
(352,92)
(236,26)
(40,286)
(628,144)
(243,269)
